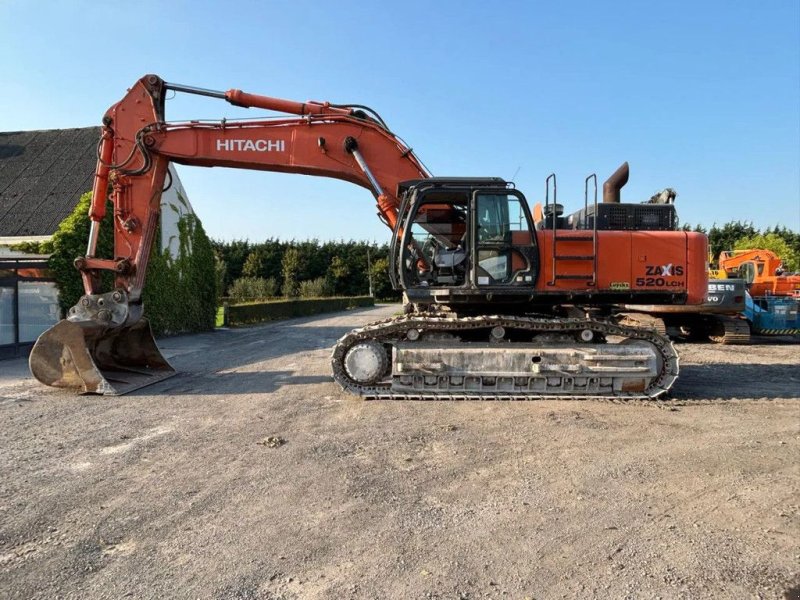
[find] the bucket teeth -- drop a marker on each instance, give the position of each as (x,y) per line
(96,359)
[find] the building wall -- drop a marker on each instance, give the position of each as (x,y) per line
(174,204)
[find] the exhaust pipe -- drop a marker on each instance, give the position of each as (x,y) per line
(613,185)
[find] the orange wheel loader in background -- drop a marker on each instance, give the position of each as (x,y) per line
(500,303)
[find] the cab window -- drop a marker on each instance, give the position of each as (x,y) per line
(504,240)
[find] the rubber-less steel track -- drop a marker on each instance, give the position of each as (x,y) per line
(735,331)
(394,330)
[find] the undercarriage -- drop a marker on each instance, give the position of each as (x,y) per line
(730,330)
(423,357)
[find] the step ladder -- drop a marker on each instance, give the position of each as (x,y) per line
(580,248)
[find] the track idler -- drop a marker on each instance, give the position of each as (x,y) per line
(104,346)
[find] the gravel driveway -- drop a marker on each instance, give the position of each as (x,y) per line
(251,475)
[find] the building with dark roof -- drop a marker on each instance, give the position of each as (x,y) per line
(42,176)
(44,173)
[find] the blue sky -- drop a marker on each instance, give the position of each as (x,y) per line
(703,97)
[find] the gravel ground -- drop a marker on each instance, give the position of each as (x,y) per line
(251,475)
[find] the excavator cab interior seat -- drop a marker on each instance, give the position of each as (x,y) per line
(447,258)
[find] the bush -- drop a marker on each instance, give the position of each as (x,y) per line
(179,294)
(240,314)
(253,288)
(316,288)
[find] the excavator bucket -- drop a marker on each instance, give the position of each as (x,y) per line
(95,359)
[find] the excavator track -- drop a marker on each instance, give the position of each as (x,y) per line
(398,334)
(644,320)
(730,331)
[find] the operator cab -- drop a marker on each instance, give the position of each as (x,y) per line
(463,239)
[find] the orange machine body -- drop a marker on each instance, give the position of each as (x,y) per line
(634,261)
(504,304)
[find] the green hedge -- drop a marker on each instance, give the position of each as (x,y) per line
(241,314)
(179,294)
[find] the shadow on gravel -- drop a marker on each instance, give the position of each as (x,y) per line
(228,349)
(202,359)
(729,381)
(215,384)
(793,593)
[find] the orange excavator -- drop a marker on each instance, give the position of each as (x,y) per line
(499,304)
(762,270)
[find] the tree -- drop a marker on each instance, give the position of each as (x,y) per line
(233,254)
(337,274)
(271,253)
(790,237)
(253,265)
(725,237)
(381,285)
(774,242)
(220,269)
(291,270)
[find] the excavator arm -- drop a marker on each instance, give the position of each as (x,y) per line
(105,345)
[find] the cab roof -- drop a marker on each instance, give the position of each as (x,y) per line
(469,182)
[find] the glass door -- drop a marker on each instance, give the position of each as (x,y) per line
(504,240)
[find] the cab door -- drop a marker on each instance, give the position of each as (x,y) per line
(503,239)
